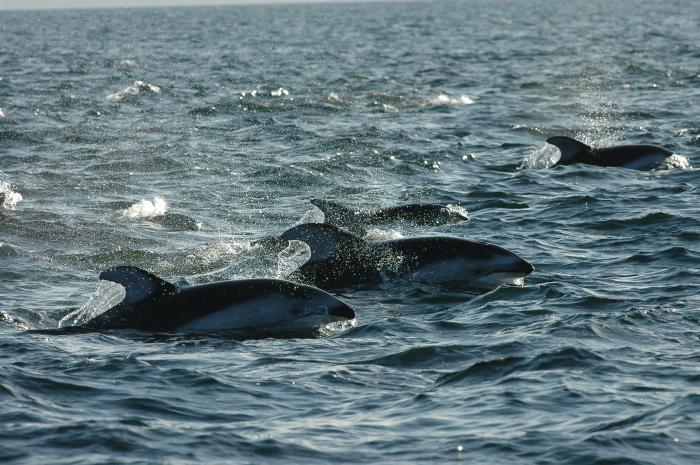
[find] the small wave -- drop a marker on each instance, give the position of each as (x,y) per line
(7,250)
(2,113)
(8,198)
(135,89)
(444,99)
(147,208)
(17,323)
(279,92)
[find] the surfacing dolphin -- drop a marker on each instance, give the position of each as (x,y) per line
(247,306)
(422,214)
(339,259)
(176,222)
(637,157)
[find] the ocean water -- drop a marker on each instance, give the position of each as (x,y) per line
(235,117)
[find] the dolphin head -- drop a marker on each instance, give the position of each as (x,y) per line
(497,265)
(450,260)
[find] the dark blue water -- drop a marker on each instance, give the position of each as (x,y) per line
(236,117)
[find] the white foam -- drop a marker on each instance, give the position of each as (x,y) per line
(457,209)
(2,113)
(336,327)
(136,88)
(8,198)
(333,97)
(128,63)
(106,296)
(444,99)
(279,92)
(147,208)
(676,161)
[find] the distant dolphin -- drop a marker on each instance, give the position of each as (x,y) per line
(250,305)
(638,157)
(339,259)
(176,222)
(423,214)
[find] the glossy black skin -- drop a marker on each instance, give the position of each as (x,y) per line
(356,262)
(617,156)
(176,222)
(172,308)
(422,214)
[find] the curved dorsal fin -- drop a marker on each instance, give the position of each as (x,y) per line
(570,149)
(335,213)
(139,284)
(324,240)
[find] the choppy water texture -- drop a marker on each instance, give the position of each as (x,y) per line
(236,117)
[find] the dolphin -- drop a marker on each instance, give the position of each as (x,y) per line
(176,222)
(245,306)
(339,259)
(637,157)
(422,214)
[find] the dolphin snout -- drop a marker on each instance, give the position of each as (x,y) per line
(342,310)
(523,266)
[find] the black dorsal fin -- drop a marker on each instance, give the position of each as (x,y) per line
(335,213)
(570,149)
(139,284)
(324,240)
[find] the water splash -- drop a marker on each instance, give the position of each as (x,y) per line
(128,63)
(458,210)
(540,158)
(8,198)
(106,296)
(147,208)
(313,215)
(296,254)
(135,89)
(444,99)
(677,161)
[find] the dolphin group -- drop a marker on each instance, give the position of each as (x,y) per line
(339,259)
(638,157)
(247,306)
